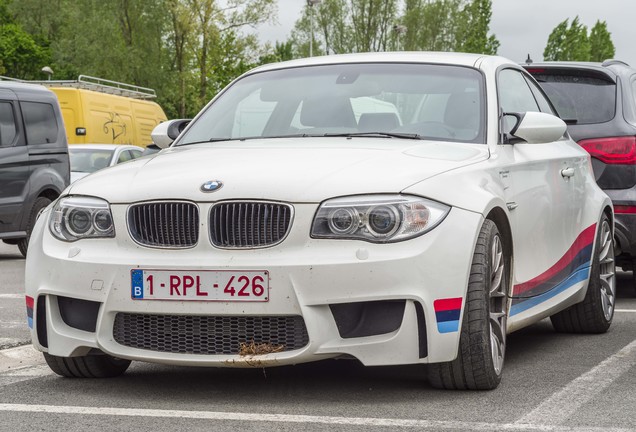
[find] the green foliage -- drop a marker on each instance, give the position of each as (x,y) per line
(572,43)
(472,34)
(185,49)
(554,50)
(20,56)
(601,45)
(344,26)
(282,51)
(431,25)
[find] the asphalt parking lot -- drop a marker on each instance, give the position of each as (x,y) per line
(552,382)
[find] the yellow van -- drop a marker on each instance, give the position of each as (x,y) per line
(96,110)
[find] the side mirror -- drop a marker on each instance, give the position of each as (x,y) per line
(537,127)
(166,132)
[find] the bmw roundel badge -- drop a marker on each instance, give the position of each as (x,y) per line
(211,186)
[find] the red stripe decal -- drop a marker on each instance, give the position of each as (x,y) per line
(29,301)
(584,239)
(442,305)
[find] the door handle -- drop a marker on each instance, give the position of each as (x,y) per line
(567,172)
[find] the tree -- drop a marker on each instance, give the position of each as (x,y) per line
(20,56)
(601,45)
(568,42)
(472,34)
(372,20)
(431,25)
(282,51)
(216,24)
(345,26)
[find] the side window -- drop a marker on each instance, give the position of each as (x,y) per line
(544,105)
(514,96)
(40,122)
(7,125)
(124,156)
(136,153)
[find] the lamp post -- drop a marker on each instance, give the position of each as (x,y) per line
(47,70)
(311,4)
(399,31)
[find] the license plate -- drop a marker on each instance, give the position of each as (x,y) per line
(206,285)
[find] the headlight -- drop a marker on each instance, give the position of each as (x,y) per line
(78,217)
(377,218)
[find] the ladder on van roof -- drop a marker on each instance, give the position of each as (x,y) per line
(96,84)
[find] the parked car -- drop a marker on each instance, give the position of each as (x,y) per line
(34,165)
(598,100)
(311,232)
(88,158)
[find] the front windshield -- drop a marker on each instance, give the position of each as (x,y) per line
(438,102)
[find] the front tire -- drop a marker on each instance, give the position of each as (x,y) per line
(90,366)
(482,344)
(38,206)
(595,313)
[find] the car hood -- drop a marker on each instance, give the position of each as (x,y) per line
(76,175)
(294,170)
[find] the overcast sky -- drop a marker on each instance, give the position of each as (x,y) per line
(522,26)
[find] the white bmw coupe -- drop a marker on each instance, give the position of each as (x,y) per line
(397,208)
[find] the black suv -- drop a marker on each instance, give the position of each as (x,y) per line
(34,163)
(598,101)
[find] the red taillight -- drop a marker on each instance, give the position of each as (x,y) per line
(615,150)
(623,209)
(534,70)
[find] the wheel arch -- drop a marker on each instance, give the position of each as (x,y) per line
(50,193)
(500,218)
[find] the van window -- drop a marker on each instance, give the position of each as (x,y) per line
(7,124)
(40,122)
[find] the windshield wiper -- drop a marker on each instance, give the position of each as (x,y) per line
(211,140)
(376,134)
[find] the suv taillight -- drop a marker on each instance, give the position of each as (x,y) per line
(614,150)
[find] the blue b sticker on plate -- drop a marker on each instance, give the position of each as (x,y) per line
(137,277)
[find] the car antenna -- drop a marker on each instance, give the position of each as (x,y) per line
(528,60)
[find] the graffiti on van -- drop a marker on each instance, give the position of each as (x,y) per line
(114,126)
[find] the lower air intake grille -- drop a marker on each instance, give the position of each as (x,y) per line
(187,334)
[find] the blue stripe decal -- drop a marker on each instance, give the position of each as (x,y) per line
(448,326)
(580,274)
(448,315)
(30,322)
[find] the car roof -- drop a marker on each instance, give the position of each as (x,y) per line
(25,89)
(452,58)
(612,68)
(103,146)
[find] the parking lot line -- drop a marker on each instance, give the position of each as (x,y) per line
(306,419)
(625,310)
(560,406)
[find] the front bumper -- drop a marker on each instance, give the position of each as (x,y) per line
(308,278)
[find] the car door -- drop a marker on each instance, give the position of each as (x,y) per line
(545,189)
(14,165)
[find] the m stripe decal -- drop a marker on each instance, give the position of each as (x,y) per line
(521,304)
(447,314)
(579,255)
(29,308)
